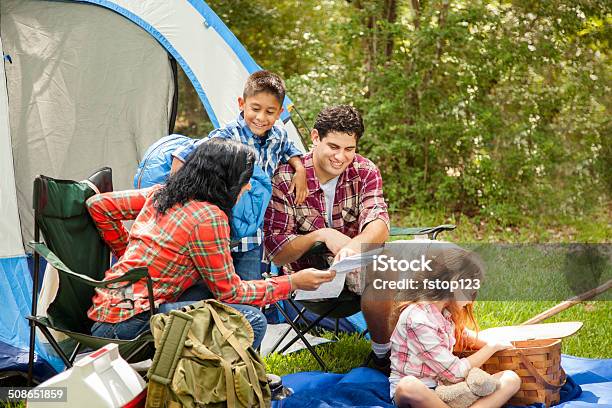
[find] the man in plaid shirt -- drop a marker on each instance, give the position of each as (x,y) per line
(344,209)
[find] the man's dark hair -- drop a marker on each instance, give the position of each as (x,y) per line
(264,81)
(215,172)
(341,118)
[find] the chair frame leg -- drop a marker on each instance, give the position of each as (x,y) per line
(34,308)
(303,338)
(75,352)
(54,344)
(138,350)
(280,340)
(31,354)
(300,314)
(308,328)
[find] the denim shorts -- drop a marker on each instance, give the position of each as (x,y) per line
(248,264)
(125,330)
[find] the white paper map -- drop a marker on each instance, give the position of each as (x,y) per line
(325,291)
(334,288)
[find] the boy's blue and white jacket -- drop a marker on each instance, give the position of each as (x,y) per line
(270,149)
(247,214)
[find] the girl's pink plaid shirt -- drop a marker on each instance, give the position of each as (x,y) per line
(422,346)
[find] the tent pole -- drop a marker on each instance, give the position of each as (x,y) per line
(175,97)
(34,301)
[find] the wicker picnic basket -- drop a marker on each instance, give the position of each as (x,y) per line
(538,363)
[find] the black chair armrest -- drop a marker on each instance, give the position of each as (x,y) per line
(432,232)
(103,179)
(319,247)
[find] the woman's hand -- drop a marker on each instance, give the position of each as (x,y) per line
(310,279)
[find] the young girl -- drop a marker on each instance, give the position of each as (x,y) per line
(429,326)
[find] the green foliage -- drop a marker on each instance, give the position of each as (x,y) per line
(191,118)
(493,109)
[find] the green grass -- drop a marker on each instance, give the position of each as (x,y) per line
(347,352)
(592,341)
(595,226)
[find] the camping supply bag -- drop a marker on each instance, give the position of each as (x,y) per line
(538,363)
(204,358)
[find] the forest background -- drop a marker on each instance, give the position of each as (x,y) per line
(492,115)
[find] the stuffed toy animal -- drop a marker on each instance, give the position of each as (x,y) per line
(477,384)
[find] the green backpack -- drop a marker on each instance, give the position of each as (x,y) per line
(204,358)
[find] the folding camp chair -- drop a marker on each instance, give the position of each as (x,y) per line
(74,247)
(346,304)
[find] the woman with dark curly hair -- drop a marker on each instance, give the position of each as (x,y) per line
(181,232)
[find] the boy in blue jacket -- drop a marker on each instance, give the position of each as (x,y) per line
(247,214)
(260,107)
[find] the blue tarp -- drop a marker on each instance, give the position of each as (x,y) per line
(365,387)
(16,295)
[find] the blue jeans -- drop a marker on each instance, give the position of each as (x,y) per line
(248,264)
(135,325)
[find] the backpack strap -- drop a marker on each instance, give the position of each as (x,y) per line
(166,358)
(229,336)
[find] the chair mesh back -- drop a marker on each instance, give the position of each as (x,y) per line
(69,232)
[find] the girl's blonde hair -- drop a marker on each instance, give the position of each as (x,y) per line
(448,263)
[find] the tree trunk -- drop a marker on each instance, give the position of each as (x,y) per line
(390,14)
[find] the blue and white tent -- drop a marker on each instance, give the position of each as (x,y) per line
(90,83)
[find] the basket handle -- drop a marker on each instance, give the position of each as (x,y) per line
(534,372)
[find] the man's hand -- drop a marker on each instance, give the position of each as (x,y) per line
(343,253)
(298,184)
(334,240)
(310,279)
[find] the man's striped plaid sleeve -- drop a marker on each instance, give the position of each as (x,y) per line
(372,204)
(279,221)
